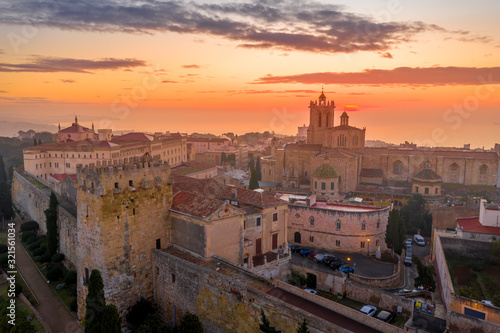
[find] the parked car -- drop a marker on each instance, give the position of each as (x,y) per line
(337,264)
(311,255)
(328,260)
(404,291)
(294,248)
(484,301)
(346,269)
(312,291)
(320,256)
(386,316)
(419,240)
(369,310)
(408,261)
(305,252)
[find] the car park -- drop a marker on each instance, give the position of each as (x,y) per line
(386,316)
(311,255)
(408,261)
(305,252)
(337,264)
(320,256)
(484,301)
(404,291)
(369,310)
(346,269)
(328,260)
(419,240)
(312,291)
(294,248)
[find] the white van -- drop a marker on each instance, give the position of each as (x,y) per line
(419,240)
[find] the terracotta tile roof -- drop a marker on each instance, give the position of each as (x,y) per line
(134,137)
(303,147)
(372,173)
(107,144)
(196,205)
(61,176)
(472,224)
(213,189)
(427,175)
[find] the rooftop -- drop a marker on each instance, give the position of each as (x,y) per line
(472,224)
(325,171)
(134,137)
(427,175)
(196,205)
(340,207)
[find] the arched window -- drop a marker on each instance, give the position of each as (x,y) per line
(311,221)
(339,225)
(363,226)
(398,167)
(427,164)
(483,175)
(297,238)
(327,119)
(319,120)
(454,172)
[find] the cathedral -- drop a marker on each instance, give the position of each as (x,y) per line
(354,167)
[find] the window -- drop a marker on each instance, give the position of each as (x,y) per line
(398,167)
(311,239)
(339,225)
(275,217)
(116,185)
(416,189)
(378,224)
(315,185)
(436,190)
(454,173)
(363,226)
(157,270)
(426,191)
(173,278)
(363,244)
(332,186)
(130,183)
(68,165)
(258,221)
(158,243)
(319,120)
(377,242)
(323,186)
(311,221)
(133,211)
(483,175)
(86,278)
(337,243)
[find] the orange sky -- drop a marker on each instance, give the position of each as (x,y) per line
(428,76)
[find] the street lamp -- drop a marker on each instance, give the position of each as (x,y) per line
(368,246)
(348,265)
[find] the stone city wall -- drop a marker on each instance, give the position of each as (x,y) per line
(459,323)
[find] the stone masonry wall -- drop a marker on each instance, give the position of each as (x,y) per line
(224,302)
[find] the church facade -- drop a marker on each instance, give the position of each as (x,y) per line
(343,148)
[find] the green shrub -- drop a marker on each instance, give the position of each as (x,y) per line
(34,246)
(37,258)
(31,240)
(70,277)
(58,257)
(31,225)
(72,290)
(42,237)
(44,246)
(73,306)
(4,259)
(19,289)
(27,235)
(3,248)
(43,258)
(55,273)
(138,312)
(38,252)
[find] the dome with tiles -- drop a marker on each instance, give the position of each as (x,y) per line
(325,171)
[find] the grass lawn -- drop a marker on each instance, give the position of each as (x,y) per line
(35,182)
(21,308)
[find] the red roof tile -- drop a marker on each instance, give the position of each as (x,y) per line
(134,137)
(75,128)
(472,224)
(61,176)
(195,204)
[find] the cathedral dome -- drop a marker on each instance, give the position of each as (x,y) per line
(325,171)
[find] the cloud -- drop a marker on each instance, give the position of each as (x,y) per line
(67,81)
(1,51)
(191,66)
(25,100)
(413,76)
(169,81)
(387,55)
(307,26)
(3,91)
(51,65)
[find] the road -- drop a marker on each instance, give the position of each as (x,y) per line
(322,312)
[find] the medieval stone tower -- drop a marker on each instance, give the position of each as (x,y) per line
(122,216)
(320,120)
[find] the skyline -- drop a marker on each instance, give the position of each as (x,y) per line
(254,66)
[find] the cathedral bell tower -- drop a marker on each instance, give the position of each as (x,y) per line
(320,120)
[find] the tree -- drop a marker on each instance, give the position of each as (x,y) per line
(495,249)
(111,321)
(223,158)
(5,200)
(95,303)
(251,162)
(52,232)
(393,233)
(302,328)
(425,276)
(265,326)
(417,216)
(138,313)
(254,183)
(258,170)
(3,173)
(190,323)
